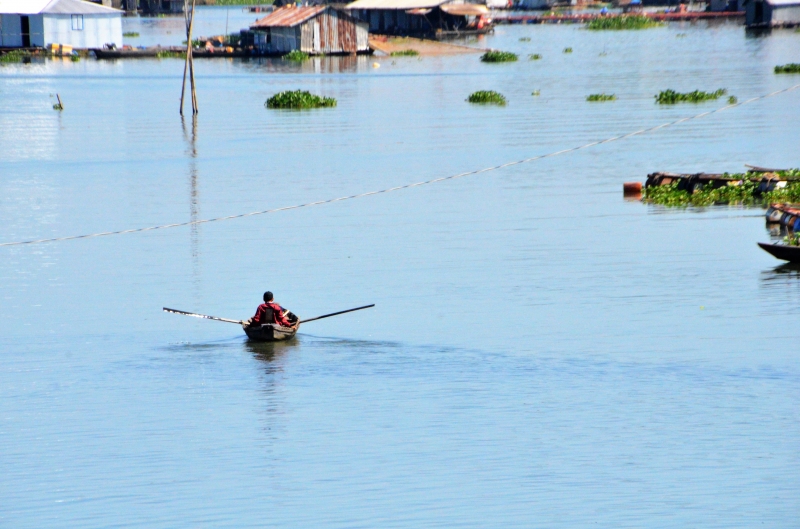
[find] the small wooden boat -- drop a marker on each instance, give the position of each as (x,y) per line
(270,332)
(782,251)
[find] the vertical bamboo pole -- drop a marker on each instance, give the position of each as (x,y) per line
(189,64)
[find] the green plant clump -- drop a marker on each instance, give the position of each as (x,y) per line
(405,53)
(296,55)
(524,39)
(499,56)
(567,50)
(621,22)
(534,56)
(14,56)
(130,34)
(536,93)
(169,54)
(744,193)
(601,97)
(75,58)
(732,100)
(792,239)
(487,97)
(671,97)
(788,68)
(299,99)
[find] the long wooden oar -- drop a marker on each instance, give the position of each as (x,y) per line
(227,320)
(336,313)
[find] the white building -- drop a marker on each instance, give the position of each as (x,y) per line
(39,23)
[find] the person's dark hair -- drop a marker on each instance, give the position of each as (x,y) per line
(267,297)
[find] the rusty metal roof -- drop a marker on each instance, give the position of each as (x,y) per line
(395,4)
(288,16)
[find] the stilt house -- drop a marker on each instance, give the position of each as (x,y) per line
(39,23)
(312,29)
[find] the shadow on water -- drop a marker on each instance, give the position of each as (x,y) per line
(270,352)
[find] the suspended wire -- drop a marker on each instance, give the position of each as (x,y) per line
(407,186)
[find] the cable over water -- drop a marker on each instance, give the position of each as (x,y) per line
(408,186)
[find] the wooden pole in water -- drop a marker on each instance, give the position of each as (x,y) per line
(189,64)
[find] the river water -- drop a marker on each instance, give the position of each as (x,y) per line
(543,353)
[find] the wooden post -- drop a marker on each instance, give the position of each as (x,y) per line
(189,64)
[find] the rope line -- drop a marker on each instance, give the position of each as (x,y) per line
(408,186)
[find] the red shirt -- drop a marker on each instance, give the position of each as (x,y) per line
(277,315)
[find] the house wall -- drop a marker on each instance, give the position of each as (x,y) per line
(784,14)
(97,31)
(329,32)
(10,31)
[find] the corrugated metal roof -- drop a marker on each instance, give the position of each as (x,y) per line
(783,2)
(465,9)
(288,16)
(78,7)
(395,4)
(62,7)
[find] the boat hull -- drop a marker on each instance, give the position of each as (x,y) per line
(270,332)
(782,251)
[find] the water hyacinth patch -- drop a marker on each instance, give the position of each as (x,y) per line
(405,53)
(601,97)
(567,50)
(792,239)
(534,56)
(299,99)
(524,39)
(130,34)
(743,194)
(296,55)
(622,22)
(788,68)
(499,56)
(487,97)
(536,93)
(671,97)
(168,54)
(732,100)
(14,56)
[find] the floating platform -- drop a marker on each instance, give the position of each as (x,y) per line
(586,17)
(787,215)
(767,180)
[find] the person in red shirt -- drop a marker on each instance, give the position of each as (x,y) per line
(270,312)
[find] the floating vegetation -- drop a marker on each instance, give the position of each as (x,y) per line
(601,97)
(671,97)
(299,99)
(499,56)
(745,192)
(130,34)
(75,58)
(732,100)
(296,55)
(681,35)
(534,56)
(536,93)
(788,68)
(405,53)
(169,54)
(622,22)
(567,50)
(792,239)
(14,56)
(487,97)
(524,39)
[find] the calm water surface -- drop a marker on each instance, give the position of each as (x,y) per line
(542,354)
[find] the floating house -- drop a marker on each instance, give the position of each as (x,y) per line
(39,23)
(772,13)
(312,29)
(422,17)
